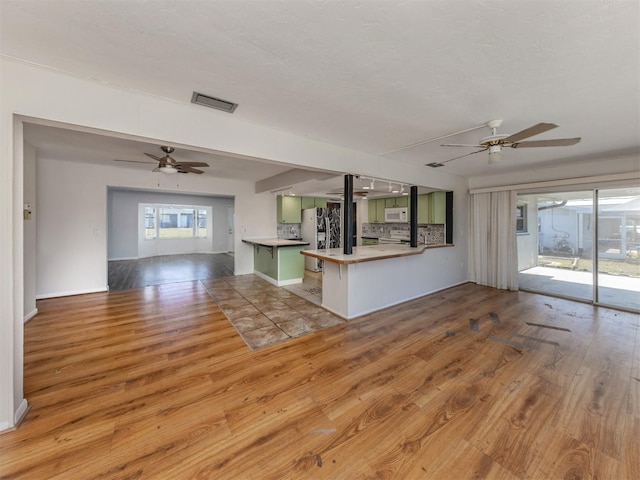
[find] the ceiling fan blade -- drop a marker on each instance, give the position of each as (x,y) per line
(192,164)
(183,169)
(466,155)
(133,161)
(155,158)
(460,145)
(530,132)
(558,142)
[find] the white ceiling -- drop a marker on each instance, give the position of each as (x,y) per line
(370,75)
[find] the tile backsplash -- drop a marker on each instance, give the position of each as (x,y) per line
(289,230)
(434,232)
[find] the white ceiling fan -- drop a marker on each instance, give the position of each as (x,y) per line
(495,142)
(170,165)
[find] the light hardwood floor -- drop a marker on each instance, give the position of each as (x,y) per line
(155,383)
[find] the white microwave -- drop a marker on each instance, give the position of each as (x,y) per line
(396,215)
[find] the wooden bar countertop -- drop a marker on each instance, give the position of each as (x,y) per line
(274,242)
(370,253)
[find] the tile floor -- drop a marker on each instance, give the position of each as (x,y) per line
(264,314)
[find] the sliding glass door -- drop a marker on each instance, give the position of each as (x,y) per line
(564,237)
(618,252)
(555,252)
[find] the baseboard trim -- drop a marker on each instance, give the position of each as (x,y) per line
(72,292)
(277,283)
(21,412)
(18,417)
(29,316)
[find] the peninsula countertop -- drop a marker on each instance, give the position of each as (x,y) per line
(369,253)
(275,242)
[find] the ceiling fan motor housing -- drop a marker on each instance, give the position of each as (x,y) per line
(493,139)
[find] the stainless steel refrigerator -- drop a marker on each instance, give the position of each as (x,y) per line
(321,228)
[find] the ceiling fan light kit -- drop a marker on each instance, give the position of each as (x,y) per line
(168,169)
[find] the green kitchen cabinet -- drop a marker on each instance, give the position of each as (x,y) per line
(289,209)
(372,205)
(313,202)
(397,202)
(369,241)
(424,212)
(376,210)
(438,207)
(320,202)
(307,202)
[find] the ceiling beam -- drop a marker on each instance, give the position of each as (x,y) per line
(289,178)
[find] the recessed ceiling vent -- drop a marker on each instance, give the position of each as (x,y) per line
(211,102)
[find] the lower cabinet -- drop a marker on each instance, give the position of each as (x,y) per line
(369,241)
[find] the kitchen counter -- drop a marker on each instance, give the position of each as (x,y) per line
(278,260)
(374,277)
(370,253)
(274,242)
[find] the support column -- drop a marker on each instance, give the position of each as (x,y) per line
(347,216)
(413,212)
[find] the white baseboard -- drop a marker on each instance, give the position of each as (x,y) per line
(20,412)
(277,283)
(30,315)
(72,292)
(121,258)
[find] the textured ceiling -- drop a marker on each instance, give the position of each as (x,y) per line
(371,75)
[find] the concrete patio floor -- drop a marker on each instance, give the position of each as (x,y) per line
(620,291)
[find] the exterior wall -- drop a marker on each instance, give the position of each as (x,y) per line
(527,243)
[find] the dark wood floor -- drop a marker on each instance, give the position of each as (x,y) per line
(164,269)
(471,382)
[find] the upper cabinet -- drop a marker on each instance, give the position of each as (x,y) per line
(308,202)
(376,210)
(289,209)
(397,202)
(438,207)
(424,213)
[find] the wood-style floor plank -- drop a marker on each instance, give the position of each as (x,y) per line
(156,383)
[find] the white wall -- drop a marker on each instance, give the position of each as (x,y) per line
(72,220)
(123,219)
(35,92)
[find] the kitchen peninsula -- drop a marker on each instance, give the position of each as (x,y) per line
(278,261)
(371,278)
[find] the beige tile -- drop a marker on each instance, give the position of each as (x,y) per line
(254,322)
(296,327)
(263,337)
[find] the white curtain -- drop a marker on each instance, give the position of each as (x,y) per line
(493,249)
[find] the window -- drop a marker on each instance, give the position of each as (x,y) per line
(149,223)
(173,221)
(521,218)
(202,223)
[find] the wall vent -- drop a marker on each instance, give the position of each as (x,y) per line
(211,102)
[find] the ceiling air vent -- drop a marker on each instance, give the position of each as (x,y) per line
(211,102)
(434,164)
